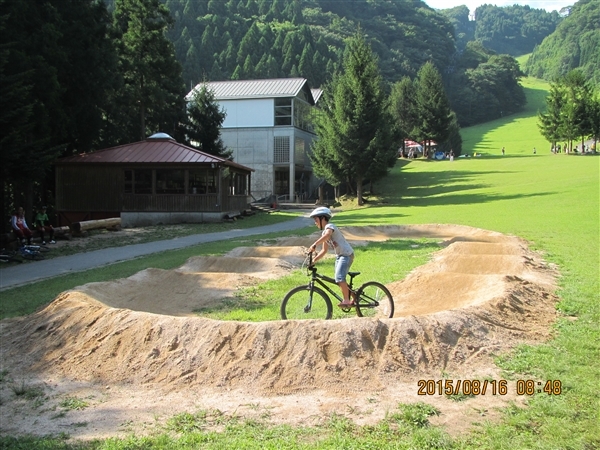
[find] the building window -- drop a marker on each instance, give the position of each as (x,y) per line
(128,188)
(299,151)
(238,184)
(283,111)
(203,181)
(282,182)
(281,149)
(302,116)
(142,181)
(170,182)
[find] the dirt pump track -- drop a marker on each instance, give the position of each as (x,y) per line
(137,344)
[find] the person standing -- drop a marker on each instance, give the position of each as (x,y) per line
(503,151)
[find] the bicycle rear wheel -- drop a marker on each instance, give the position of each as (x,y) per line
(374,300)
(304,303)
(9,257)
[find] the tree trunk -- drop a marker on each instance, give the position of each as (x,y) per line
(95,224)
(359,190)
(142,112)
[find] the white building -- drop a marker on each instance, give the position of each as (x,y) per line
(268,128)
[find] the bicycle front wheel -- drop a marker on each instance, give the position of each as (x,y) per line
(374,300)
(302,302)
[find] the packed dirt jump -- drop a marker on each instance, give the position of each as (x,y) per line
(137,351)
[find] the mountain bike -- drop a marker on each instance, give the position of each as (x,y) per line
(34,252)
(311,301)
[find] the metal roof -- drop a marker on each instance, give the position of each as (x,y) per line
(247,89)
(316,93)
(152,150)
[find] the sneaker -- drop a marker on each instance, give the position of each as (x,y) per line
(53,241)
(43,242)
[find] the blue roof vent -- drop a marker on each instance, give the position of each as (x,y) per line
(161,136)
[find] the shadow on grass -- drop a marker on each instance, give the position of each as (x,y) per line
(452,187)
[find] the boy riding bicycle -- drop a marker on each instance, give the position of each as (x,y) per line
(332,236)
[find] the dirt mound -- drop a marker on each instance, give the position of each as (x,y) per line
(482,293)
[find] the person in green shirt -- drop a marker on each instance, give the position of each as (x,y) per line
(42,223)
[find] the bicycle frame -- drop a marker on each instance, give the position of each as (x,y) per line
(367,299)
(322,281)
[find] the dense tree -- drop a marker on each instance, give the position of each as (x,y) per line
(550,120)
(594,114)
(484,85)
(571,111)
(56,66)
(513,30)
(354,125)
(576,123)
(151,98)
(464,28)
(203,127)
(433,108)
(403,109)
(573,45)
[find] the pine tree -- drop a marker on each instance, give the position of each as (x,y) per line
(353,125)
(205,117)
(550,120)
(403,108)
(152,85)
(435,115)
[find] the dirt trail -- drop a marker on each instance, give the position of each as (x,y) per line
(134,347)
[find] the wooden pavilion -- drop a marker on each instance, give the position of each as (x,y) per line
(155,181)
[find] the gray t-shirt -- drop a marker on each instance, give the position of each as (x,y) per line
(338,242)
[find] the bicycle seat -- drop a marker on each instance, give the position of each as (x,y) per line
(353,274)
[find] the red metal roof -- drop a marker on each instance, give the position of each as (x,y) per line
(152,150)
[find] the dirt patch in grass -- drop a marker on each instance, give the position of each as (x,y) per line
(135,351)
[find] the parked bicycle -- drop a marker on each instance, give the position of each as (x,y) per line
(33,252)
(9,256)
(310,301)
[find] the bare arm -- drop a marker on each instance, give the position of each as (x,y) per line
(323,241)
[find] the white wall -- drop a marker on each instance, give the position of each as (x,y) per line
(248,113)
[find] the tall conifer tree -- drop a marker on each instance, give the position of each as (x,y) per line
(435,115)
(152,83)
(353,125)
(203,128)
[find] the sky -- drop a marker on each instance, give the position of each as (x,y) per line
(548,5)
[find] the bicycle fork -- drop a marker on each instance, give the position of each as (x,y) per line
(311,286)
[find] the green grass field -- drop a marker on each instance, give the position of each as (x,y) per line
(552,201)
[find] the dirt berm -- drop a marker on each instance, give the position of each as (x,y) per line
(482,293)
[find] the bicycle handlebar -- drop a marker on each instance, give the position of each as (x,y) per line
(309,261)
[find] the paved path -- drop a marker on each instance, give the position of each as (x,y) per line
(23,274)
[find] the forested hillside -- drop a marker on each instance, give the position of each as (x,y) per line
(574,44)
(513,30)
(246,39)
(239,39)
